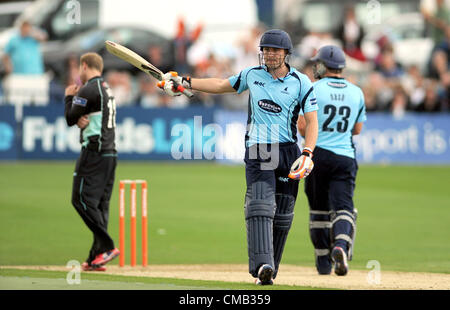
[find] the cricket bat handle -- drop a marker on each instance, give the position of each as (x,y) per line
(183,90)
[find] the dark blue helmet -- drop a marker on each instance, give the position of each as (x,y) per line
(276,38)
(331,56)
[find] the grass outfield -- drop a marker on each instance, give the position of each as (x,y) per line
(196,216)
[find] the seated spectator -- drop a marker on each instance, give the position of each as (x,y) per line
(370,99)
(384,44)
(381,92)
(399,103)
(388,67)
(308,70)
(149,95)
(431,101)
(310,44)
(120,83)
(247,49)
(414,84)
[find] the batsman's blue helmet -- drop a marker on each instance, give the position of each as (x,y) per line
(331,56)
(276,38)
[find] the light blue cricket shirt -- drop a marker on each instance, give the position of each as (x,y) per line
(274,104)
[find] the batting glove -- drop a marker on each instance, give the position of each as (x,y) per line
(302,167)
(180,80)
(168,87)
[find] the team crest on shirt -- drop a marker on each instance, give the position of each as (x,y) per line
(269,106)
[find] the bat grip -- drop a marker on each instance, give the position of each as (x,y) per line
(183,90)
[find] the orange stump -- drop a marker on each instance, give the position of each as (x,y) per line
(144,223)
(122,224)
(133,204)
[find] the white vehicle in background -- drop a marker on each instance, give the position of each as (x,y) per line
(222,21)
(9,12)
(407,32)
(400,20)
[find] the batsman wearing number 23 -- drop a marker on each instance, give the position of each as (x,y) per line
(330,186)
(92,108)
(273,161)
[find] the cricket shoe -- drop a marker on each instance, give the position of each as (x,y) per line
(86,267)
(258,282)
(102,259)
(265,274)
(339,258)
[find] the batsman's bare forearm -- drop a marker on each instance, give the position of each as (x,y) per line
(212,85)
(301,125)
(357,129)
(311,130)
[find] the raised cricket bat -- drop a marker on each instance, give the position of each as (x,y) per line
(139,62)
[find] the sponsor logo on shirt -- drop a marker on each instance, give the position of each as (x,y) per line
(259,83)
(79,101)
(269,106)
(337,84)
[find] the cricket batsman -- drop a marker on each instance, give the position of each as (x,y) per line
(330,186)
(92,108)
(277,94)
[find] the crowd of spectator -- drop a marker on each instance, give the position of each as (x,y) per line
(387,84)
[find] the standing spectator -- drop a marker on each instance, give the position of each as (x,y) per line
(437,21)
(22,52)
(158,59)
(440,60)
(182,43)
(351,34)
